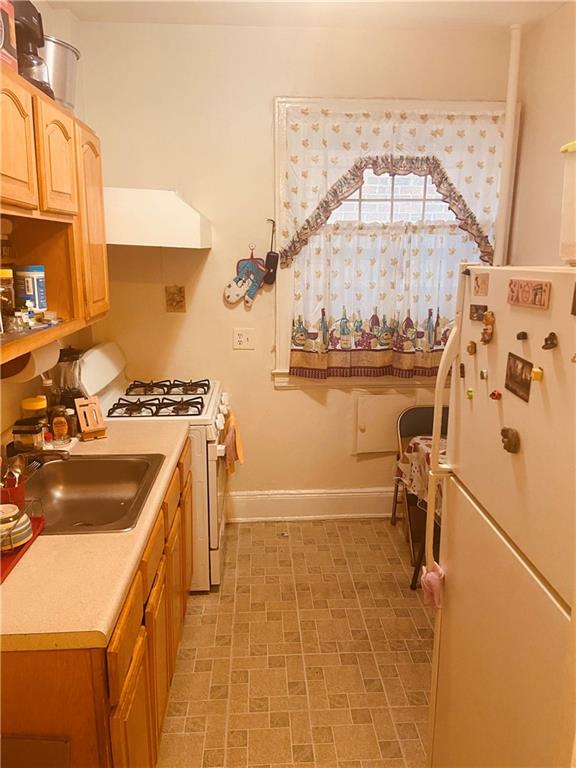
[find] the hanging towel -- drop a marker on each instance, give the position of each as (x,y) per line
(233,443)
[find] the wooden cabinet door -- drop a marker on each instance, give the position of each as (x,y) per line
(94,254)
(120,651)
(174,587)
(187,533)
(56,156)
(131,727)
(18,159)
(156,622)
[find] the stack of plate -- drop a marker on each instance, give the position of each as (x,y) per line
(15,527)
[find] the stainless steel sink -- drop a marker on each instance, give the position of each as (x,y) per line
(93,494)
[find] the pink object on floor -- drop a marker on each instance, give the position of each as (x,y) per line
(432,583)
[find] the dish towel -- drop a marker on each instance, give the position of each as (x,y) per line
(233,444)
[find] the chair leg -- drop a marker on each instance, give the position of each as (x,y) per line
(394,501)
(418,565)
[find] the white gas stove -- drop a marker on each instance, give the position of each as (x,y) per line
(204,407)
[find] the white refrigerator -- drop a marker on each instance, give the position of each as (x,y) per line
(503,680)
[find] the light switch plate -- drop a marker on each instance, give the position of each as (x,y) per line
(243,338)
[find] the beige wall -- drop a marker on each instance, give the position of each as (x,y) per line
(191,108)
(547,91)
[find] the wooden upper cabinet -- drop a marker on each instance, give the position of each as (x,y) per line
(94,253)
(56,154)
(18,160)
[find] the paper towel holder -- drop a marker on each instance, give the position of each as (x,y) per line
(15,366)
(30,365)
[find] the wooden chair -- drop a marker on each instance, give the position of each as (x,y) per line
(413,421)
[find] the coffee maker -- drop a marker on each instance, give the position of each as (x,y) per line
(30,37)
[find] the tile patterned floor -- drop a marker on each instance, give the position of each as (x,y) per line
(313,652)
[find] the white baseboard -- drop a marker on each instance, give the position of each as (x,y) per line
(316,504)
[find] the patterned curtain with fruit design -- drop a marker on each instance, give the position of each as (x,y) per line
(375,298)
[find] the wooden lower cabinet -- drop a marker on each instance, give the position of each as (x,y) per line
(131,728)
(174,588)
(186,508)
(104,707)
(156,623)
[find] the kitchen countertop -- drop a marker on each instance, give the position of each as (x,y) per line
(67,590)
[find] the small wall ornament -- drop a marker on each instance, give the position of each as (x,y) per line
(250,274)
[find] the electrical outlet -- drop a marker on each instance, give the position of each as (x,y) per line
(243,338)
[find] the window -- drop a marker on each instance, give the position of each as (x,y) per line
(389,198)
(369,274)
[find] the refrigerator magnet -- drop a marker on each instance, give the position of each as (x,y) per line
(480,284)
(488,328)
(477,311)
(518,376)
(529,293)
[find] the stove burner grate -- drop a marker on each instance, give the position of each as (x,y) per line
(124,407)
(138,387)
(156,406)
(178,387)
(189,407)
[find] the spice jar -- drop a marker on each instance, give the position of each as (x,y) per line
(7,250)
(6,291)
(27,436)
(72,420)
(35,408)
(60,425)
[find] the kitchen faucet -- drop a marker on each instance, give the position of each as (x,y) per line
(25,463)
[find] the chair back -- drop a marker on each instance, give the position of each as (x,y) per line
(418,420)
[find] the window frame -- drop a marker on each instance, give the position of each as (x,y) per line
(284,285)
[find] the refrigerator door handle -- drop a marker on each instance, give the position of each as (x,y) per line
(432,573)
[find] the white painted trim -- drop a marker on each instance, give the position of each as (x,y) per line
(313,504)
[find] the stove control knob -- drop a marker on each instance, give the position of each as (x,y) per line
(225,399)
(223,409)
(220,421)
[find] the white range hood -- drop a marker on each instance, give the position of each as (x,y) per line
(156,218)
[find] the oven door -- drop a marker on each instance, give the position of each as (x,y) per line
(217,488)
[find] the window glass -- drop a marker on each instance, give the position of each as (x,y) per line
(411,186)
(372,212)
(348,211)
(389,198)
(437,210)
(376,186)
(405,210)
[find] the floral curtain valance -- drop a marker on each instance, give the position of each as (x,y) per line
(352,180)
(321,144)
(376,299)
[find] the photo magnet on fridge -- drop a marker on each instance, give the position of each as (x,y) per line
(480,284)
(518,376)
(477,311)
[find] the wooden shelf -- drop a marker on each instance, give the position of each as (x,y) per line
(12,346)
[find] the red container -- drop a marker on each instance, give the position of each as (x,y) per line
(13,496)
